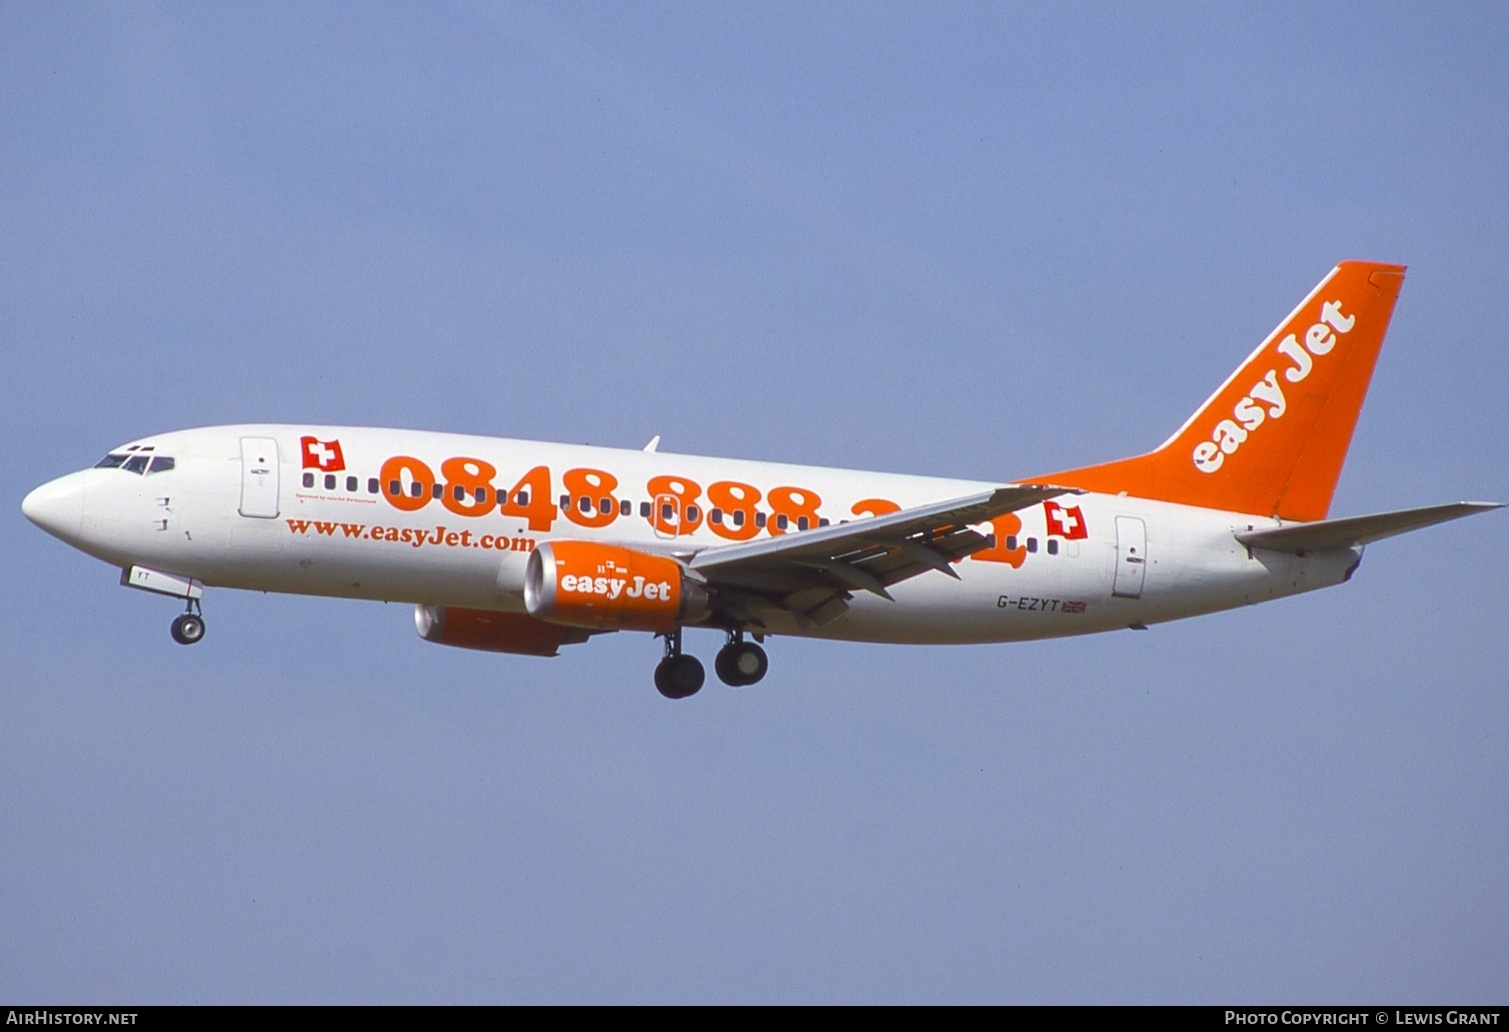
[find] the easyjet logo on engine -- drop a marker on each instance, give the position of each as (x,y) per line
(612,587)
(1265,399)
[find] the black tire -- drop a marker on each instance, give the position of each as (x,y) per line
(679,677)
(741,664)
(188,629)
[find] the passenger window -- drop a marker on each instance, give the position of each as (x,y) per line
(459,493)
(372,485)
(416,489)
(738,517)
(1011,542)
(329,481)
(781,521)
(308,479)
(137,463)
(802,523)
(395,487)
(691,514)
(626,508)
(1032,544)
(522,498)
(823,522)
(351,483)
(644,509)
(759,519)
(604,505)
(667,513)
(716,515)
(565,502)
(439,492)
(1053,546)
(585,505)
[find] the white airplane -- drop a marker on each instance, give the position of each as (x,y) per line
(519,546)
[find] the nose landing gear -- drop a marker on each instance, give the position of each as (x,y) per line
(678,676)
(740,663)
(188,628)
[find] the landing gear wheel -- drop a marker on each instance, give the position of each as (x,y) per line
(741,663)
(187,629)
(679,677)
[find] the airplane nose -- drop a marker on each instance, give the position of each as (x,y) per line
(58,507)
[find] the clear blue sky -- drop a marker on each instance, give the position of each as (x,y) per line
(978,240)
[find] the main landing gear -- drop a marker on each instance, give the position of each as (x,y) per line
(188,628)
(739,663)
(678,676)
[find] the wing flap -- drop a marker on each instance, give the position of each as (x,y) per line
(805,571)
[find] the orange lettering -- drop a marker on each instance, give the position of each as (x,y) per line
(679,494)
(530,500)
(1004,527)
(473,480)
(407,483)
(792,508)
(875,507)
(591,493)
(736,502)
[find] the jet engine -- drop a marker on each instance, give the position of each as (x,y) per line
(493,631)
(610,588)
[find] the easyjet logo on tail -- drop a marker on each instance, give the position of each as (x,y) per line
(1265,399)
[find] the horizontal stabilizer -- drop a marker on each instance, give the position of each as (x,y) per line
(1356,530)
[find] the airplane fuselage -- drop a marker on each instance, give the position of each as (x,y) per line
(239,508)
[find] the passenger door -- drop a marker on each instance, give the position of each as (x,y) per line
(259,478)
(1131,557)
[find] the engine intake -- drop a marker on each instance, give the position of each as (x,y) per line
(610,588)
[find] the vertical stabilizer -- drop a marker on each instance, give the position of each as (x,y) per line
(1272,438)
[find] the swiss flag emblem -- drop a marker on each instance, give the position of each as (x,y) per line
(1065,521)
(322,455)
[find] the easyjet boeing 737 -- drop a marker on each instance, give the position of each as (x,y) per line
(518,546)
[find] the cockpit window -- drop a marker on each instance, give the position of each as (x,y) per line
(142,462)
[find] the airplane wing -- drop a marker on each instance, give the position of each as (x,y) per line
(813,573)
(1356,530)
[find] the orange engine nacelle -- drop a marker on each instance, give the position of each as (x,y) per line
(608,588)
(492,631)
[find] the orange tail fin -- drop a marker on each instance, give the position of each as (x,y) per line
(1272,438)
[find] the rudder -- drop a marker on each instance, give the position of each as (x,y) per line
(1271,440)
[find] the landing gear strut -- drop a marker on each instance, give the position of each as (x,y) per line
(678,676)
(740,662)
(188,628)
